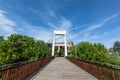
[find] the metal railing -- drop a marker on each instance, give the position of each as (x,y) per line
(100,70)
(19,71)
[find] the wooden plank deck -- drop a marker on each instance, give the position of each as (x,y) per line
(61,69)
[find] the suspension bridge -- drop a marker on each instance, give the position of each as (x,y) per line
(60,68)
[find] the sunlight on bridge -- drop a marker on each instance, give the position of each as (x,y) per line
(61,69)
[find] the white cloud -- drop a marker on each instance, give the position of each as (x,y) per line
(53,26)
(38,32)
(110,18)
(6,25)
(93,27)
(99,25)
(65,24)
(51,13)
(85,35)
(62,24)
(2,12)
(54,19)
(93,37)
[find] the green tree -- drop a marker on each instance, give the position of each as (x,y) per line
(89,51)
(102,55)
(116,48)
(18,48)
(72,51)
(1,39)
(86,51)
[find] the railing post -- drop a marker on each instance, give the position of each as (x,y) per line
(7,74)
(113,74)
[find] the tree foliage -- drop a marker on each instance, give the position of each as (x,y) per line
(115,53)
(1,39)
(89,51)
(115,60)
(61,53)
(21,48)
(116,48)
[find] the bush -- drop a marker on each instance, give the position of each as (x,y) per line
(89,51)
(22,48)
(115,60)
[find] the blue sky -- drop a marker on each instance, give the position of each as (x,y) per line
(84,20)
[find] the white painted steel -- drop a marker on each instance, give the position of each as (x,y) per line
(61,33)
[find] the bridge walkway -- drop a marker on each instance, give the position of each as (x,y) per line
(60,69)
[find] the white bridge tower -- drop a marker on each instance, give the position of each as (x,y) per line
(59,33)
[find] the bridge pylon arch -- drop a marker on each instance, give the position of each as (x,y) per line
(59,33)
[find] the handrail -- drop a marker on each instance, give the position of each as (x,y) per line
(99,70)
(20,70)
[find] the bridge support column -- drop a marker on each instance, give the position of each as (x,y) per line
(65,45)
(53,45)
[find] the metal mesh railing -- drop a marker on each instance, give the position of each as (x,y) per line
(19,71)
(99,70)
